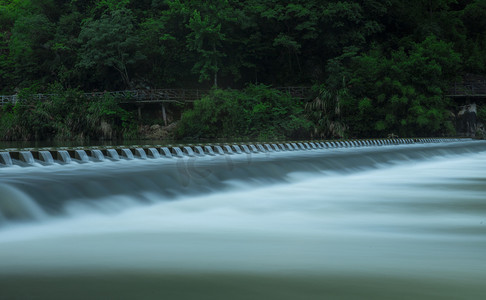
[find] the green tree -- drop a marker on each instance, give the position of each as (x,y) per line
(110,41)
(206,39)
(406,90)
(30,48)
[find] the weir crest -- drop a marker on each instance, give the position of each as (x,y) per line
(49,156)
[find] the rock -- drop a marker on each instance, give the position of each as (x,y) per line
(156,132)
(155,127)
(467,120)
(106,130)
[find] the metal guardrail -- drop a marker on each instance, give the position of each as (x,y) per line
(154,95)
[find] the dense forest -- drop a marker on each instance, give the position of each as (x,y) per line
(377,67)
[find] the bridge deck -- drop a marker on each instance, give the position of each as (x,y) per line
(459,89)
(468,89)
(155,95)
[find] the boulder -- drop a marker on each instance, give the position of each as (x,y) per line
(466,124)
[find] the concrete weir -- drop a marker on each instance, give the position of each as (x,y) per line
(80,155)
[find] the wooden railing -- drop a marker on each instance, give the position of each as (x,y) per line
(155,95)
(468,89)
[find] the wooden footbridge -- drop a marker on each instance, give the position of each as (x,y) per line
(155,95)
(466,88)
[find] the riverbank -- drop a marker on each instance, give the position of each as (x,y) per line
(257,112)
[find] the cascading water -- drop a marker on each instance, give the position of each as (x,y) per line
(98,155)
(246,149)
(177,151)
(153,153)
(113,154)
(64,156)
(46,157)
(228,149)
(82,156)
(140,153)
(209,150)
(237,149)
(27,157)
(5,159)
(218,150)
(199,150)
(127,154)
(166,152)
(395,222)
(188,150)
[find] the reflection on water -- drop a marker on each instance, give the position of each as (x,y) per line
(407,229)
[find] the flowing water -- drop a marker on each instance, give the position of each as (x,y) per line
(377,222)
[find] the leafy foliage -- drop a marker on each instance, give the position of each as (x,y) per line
(111,42)
(255,112)
(396,59)
(66,115)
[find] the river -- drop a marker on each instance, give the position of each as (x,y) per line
(388,222)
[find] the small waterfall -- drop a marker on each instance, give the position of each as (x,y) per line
(313,146)
(301,146)
(5,158)
(141,153)
(113,154)
(82,156)
(166,152)
(228,149)
(245,148)
(269,148)
(237,149)
(188,150)
(209,150)
(97,155)
(199,150)
(289,147)
(46,156)
(282,147)
(253,148)
(275,147)
(64,156)
(153,153)
(177,151)
(307,146)
(294,146)
(219,150)
(260,148)
(127,154)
